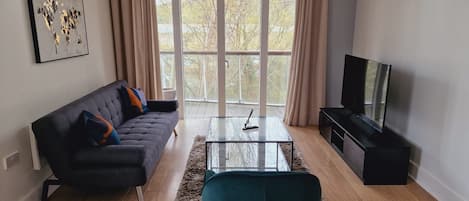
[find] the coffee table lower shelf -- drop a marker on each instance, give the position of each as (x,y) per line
(248,156)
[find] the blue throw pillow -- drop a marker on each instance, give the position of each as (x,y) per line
(99,130)
(134,101)
(142,98)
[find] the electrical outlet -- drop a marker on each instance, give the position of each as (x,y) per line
(11,160)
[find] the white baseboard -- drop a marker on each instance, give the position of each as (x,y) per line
(35,193)
(433,185)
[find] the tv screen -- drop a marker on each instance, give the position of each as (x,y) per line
(365,87)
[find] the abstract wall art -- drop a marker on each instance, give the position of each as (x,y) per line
(58,28)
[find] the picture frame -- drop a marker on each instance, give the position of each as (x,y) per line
(58,29)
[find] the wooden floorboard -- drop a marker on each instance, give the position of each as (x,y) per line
(338,181)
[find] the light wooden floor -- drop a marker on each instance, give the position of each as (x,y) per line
(337,180)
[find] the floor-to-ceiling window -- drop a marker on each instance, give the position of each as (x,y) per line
(199,38)
(243,33)
(242,43)
(281,30)
(166,41)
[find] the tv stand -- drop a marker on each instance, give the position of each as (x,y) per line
(377,157)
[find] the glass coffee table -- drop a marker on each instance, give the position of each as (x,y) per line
(229,148)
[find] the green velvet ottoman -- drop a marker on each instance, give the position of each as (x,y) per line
(261,186)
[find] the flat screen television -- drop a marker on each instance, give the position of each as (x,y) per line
(365,89)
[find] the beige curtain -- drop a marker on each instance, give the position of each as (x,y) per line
(306,87)
(136,44)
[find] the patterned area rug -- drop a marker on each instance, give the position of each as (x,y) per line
(191,185)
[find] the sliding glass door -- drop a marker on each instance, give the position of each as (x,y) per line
(218,57)
(199,39)
(242,43)
(280,36)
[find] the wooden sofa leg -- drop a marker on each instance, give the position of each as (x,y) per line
(139,193)
(45,187)
(175,133)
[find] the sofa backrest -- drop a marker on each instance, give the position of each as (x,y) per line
(60,132)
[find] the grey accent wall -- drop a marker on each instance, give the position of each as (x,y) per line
(339,42)
(427,42)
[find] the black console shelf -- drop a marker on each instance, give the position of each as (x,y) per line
(377,157)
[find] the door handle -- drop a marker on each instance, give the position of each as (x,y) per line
(227,63)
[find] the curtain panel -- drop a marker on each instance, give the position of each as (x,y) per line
(306,87)
(136,44)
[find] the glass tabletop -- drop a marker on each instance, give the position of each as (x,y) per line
(229,129)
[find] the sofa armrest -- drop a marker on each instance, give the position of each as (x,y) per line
(111,155)
(162,105)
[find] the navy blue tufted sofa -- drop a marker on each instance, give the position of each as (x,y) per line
(60,138)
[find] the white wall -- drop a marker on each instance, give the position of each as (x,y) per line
(427,41)
(339,42)
(30,90)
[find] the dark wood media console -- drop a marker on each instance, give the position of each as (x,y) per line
(378,158)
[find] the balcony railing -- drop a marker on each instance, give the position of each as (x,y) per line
(243,52)
(242,75)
